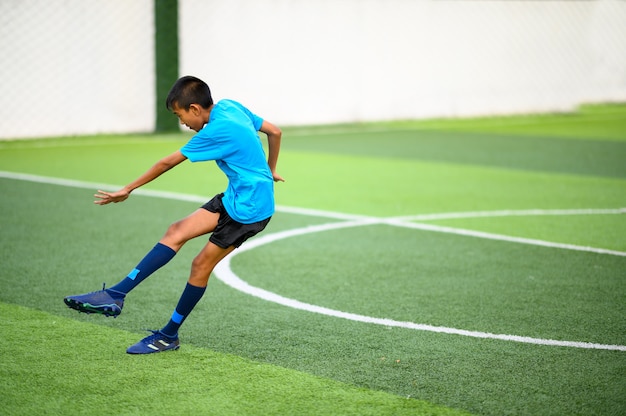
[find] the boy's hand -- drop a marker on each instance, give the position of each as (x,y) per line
(277,177)
(108,197)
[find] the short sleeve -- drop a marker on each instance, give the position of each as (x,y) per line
(256,120)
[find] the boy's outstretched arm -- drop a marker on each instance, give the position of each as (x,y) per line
(274,134)
(162,166)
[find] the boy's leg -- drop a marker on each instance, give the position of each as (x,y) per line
(110,301)
(156,258)
(201,268)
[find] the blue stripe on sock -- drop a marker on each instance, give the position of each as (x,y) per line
(178,318)
(132,275)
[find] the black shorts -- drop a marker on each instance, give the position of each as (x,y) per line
(228,231)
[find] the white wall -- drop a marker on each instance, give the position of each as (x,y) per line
(325,61)
(86,66)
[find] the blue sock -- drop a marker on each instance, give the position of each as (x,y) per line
(154,260)
(188,300)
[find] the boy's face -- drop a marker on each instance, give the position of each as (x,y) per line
(192,118)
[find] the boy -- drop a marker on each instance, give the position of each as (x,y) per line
(227,133)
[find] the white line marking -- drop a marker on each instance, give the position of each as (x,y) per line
(499,237)
(395,221)
(511,213)
(226,275)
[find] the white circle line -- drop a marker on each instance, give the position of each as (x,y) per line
(224,273)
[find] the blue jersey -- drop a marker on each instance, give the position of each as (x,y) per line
(230,138)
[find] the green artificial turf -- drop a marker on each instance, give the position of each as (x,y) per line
(56,365)
(245,355)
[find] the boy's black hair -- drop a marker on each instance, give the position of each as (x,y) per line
(189,90)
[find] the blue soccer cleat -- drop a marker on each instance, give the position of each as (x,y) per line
(156,342)
(96,302)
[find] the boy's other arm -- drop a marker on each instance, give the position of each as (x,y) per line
(160,167)
(274,135)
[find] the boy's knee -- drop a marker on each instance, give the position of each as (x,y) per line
(174,235)
(172,228)
(201,261)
